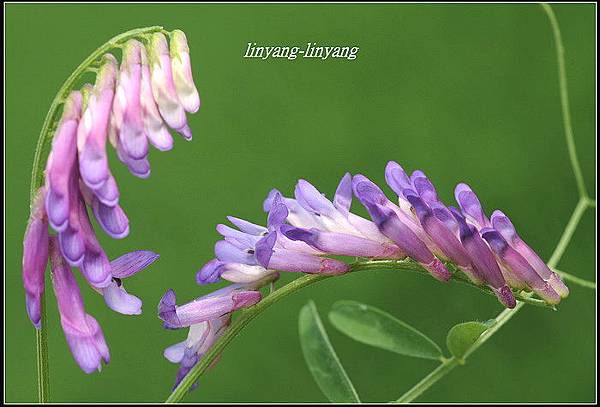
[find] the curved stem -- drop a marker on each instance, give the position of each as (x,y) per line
(249,314)
(564,100)
(41,340)
(504,316)
(567,235)
(37,174)
(568,232)
(46,134)
(442,370)
(241,321)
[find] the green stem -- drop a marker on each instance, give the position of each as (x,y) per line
(567,235)
(249,314)
(568,232)
(41,340)
(241,321)
(442,370)
(37,174)
(504,316)
(564,100)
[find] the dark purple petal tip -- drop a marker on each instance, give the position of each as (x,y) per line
(210,272)
(264,249)
(294,233)
(269,199)
(277,213)
(506,297)
(167,310)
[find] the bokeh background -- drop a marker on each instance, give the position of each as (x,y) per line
(464,92)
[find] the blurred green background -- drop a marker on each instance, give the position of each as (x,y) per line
(464,92)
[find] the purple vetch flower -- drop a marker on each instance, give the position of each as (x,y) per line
(470,206)
(207,317)
(130,107)
(387,217)
(182,72)
(163,86)
(35,258)
(483,260)
(61,160)
(502,224)
(444,235)
(84,335)
(127,109)
(517,271)
(92,132)
(206,308)
(418,195)
(156,130)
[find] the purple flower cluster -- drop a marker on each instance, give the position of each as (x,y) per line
(131,107)
(301,233)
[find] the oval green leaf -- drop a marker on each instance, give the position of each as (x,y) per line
(375,327)
(322,360)
(462,336)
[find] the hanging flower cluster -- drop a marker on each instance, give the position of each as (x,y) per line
(131,107)
(301,233)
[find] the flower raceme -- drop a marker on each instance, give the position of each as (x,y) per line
(301,234)
(131,106)
(303,231)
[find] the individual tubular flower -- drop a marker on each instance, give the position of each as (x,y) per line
(61,161)
(35,258)
(182,72)
(520,265)
(206,308)
(387,217)
(418,195)
(83,333)
(92,132)
(483,260)
(516,269)
(444,235)
(470,206)
(128,124)
(155,127)
(163,86)
(502,224)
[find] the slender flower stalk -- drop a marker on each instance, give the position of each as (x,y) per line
(77,177)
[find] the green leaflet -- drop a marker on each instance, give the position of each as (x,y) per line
(462,336)
(377,328)
(322,360)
